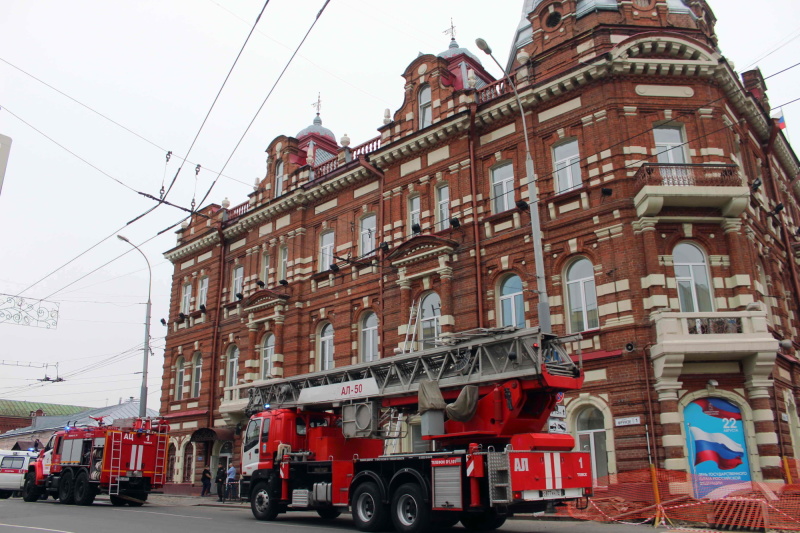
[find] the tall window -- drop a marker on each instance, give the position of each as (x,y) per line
(267,353)
(265,268)
(325,251)
(512,306)
(566,161)
(582,297)
(179,379)
(186,298)
(443,206)
(430,313)
(592,439)
(368,224)
(502,188)
(279,179)
(238,281)
(326,347)
(413,210)
(233,366)
(425,110)
(691,276)
(202,292)
(669,145)
(197,374)
(283,266)
(369,337)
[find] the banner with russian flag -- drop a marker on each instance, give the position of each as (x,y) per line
(716,446)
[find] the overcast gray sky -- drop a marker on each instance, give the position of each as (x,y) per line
(154,67)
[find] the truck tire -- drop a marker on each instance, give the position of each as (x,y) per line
(117,501)
(264,502)
(30,492)
(486,521)
(410,513)
(84,490)
(369,512)
(66,488)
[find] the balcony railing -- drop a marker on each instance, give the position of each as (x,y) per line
(714,325)
(493,90)
(238,211)
(688,176)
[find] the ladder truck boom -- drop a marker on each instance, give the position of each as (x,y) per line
(327,441)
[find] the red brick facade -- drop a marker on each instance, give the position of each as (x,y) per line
(606,79)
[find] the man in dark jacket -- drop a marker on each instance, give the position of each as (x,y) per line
(206,480)
(219,479)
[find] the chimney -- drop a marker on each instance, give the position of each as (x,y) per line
(755,85)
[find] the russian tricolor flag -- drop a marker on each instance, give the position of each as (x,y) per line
(716,447)
(781,122)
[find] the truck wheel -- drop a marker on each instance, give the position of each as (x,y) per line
(488,521)
(328,514)
(30,492)
(263,502)
(5,494)
(84,491)
(369,512)
(116,501)
(66,488)
(410,513)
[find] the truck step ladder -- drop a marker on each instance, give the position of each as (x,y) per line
(494,356)
(411,328)
(115,463)
(161,458)
(499,477)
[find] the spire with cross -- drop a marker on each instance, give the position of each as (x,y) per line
(451,31)
(318,104)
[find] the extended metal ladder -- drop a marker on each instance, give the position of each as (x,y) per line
(411,328)
(115,462)
(495,356)
(160,472)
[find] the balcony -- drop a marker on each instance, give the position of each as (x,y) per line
(716,186)
(233,402)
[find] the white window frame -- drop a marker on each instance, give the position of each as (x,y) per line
(443,206)
(283,265)
(368,226)
(197,374)
(430,320)
(691,278)
(327,241)
(582,285)
(593,435)
(326,347)
(237,282)
(202,292)
(369,338)
(425,107)
(279,179)
(232,366)
(515,299)
(568,166)
(265,267)
(666,150)
(179,375)
(503,199)
(186,299)
(414,212)
(267,355)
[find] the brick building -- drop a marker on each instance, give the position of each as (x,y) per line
(668,204)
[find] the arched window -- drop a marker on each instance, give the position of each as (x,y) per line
(502,188)
(368,224)
(369,337)
(171,456)
(188,463)
(326,251)
(692,279)
(592,438)
(582,297)
(326,347)
(179,379)
(197,374)
(430,313)
(425,110)
(512,306)
(233,366)
(267,353)
(279,179)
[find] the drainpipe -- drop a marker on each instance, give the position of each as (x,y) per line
(215,337)
(381,287)
(473,110)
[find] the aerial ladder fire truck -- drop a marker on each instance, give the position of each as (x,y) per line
(327,441)
(126,460)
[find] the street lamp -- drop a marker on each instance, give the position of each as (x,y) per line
(533,196)
(143,399)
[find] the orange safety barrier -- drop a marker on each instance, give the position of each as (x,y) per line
(636,498)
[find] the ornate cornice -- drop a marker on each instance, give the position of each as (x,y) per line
(189,248)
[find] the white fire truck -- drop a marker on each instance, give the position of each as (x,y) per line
(327,441)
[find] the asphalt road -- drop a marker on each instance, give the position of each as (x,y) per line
(171,514)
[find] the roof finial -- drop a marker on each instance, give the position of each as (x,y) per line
(451,31)
(318,104)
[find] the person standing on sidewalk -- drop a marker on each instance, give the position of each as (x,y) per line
(220,481)
(232,482)
(206,480)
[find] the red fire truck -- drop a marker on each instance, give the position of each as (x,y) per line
(328,441)
(125,460)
